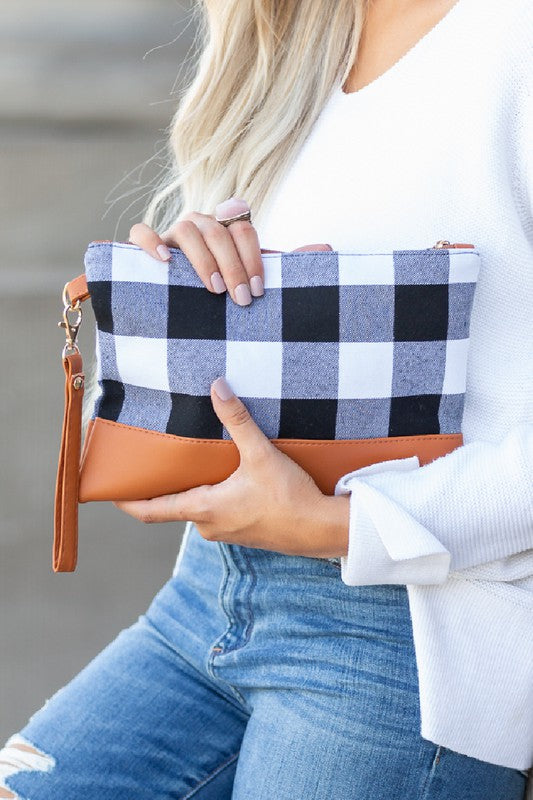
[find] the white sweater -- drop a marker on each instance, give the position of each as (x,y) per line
(439,147)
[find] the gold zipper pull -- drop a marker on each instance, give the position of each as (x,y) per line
(444,243)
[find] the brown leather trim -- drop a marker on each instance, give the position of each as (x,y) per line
(77,289)
(121,462)
(65,549)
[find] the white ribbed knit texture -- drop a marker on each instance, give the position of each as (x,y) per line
(476,501)
(439,147)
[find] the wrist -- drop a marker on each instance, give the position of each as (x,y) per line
(334,525)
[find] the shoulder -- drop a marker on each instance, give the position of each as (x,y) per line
(503,29)
(498,38)
(515,25)
(516,65)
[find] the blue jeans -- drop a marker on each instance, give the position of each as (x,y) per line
(253,675)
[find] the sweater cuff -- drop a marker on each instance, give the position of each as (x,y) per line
(385,544)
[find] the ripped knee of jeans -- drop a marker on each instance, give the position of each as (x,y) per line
(19,755)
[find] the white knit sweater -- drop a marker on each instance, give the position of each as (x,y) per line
(439,147)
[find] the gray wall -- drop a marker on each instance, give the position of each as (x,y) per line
(84,100)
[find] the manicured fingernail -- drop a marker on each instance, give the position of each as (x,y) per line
(231,208)
(217,282)
(222,389)
(242,294)
(163,252)
(256,285)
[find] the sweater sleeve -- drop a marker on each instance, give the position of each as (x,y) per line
(411,524)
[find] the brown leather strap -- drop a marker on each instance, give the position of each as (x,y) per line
(78,290)
(68,470)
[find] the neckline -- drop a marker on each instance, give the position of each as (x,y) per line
(404,59)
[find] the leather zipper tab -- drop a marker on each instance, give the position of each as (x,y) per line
(444,243)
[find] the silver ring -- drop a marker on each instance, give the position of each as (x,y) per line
(247,215)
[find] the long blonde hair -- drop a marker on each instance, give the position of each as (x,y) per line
(264,74)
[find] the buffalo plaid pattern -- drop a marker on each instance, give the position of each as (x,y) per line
(340,346)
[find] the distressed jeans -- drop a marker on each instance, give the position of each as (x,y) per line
(252,675)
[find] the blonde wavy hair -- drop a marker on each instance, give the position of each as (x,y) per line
(265,71)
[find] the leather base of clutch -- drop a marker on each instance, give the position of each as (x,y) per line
(121,462)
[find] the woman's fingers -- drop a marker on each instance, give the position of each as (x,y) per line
(186,235)
(246,241)
(220,243)
(143,236)
(225,257)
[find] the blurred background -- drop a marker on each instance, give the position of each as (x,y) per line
(87,91)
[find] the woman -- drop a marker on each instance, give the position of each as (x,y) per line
(290,656)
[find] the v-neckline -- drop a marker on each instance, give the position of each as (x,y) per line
(404,59)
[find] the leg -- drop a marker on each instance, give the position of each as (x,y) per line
(303,744)
(138,722)
(329,674)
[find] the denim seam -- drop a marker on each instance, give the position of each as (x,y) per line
(211,665)
(212,681)
(439,750)
(211,775)
(224,584)
(247,630)
(251,619)
(231,621)
(253,583)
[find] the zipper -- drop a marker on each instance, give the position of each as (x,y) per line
(444,243)
(441,244)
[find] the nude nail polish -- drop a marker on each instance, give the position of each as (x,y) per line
(242,294)
(223,389)
(218,283)
(163,252)
(256,286)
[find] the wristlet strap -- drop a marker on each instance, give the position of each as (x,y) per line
(68,470)
(65,549)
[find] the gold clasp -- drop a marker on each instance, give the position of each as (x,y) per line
(71,326)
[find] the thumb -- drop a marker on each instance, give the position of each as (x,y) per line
(236,418)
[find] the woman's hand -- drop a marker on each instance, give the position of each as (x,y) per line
(224,257)
(268,502)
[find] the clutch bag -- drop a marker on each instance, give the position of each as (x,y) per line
(347,359)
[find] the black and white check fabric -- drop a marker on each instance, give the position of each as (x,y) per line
(340,346)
